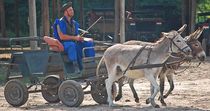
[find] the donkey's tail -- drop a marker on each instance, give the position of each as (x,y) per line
(98,66)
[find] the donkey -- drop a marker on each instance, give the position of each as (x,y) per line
(119,56)
(197,52)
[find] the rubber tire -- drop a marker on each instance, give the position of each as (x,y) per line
(51,94)
(71,93)
(99,93)
(16,93)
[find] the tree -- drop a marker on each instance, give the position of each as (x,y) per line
(32,23)
(45,17)
(17,18)
(2,18)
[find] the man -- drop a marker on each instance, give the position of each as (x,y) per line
(66,31)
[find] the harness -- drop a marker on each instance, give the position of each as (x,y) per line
(164,64)
(134,59)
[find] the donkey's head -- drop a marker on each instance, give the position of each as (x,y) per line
(178,43)
(195,45)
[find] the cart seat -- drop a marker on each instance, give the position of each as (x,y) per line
(54,44)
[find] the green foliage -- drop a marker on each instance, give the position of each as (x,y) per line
(203,5)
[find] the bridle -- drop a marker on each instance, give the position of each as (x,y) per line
(173,43)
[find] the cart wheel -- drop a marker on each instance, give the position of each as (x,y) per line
(15,93)
(99,93)
(71,93)
(50,89)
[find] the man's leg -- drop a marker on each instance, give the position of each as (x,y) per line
(88,52)
(70,49)
(79,54)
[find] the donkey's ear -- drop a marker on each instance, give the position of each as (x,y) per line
(164,34)
(182,29)
(193,35)
(199,33)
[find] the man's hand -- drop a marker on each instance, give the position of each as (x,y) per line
(78,38)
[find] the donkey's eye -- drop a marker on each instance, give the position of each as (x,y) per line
(178,41)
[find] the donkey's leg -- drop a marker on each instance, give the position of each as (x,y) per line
(120,84)
(135,95)
(109,81)
(171,82)
(112,76)
(154,83)
(162,85)
(151,92)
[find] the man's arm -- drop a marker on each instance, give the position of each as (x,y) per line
(68,37)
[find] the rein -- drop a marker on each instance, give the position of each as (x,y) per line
(183,70)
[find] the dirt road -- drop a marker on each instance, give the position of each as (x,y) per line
(192,92)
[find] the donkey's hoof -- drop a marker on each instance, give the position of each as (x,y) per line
(118,98)
(137,100)
(112,105)
(163,104)
(157,106)
(147,100)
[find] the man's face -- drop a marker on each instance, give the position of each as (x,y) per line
(69,12)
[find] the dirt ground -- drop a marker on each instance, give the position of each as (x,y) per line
(192,92)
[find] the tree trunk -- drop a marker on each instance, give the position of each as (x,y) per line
(81,2)
(122,21)
(17,18)
(117,21)
(54,11)
(32,23)
(58,7)
(192,15)
(2,19)
(45,17)
(184,13)
(188,14)
(131,5)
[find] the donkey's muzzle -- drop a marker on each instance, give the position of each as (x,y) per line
(202,58)
(187,51)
